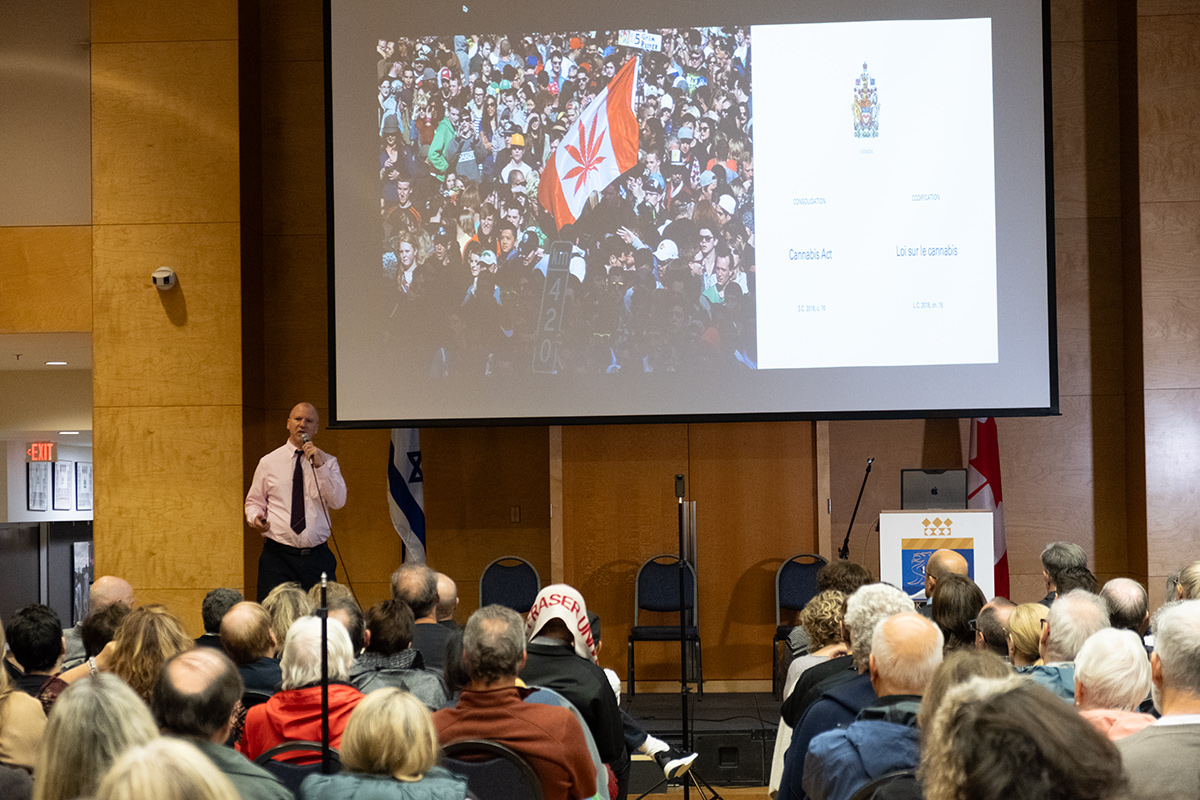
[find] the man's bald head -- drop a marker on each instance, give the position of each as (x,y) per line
(416,584)
(246,633)
(195,694)
(941,564)
(447,592)
(905,651)
(107,590)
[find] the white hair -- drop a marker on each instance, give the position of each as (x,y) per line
(911,672)
(1072,619)
(1177,642)
(301,662)
(865,608)
(1112,666)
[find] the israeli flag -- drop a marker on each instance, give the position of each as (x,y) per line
(406,492)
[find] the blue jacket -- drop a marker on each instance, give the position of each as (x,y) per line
(837,708)
(883,739)
(438,784)
(1058,677)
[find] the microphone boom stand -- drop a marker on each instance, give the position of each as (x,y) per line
(844,550)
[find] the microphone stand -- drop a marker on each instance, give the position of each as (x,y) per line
(323,613)
(684,688)
(844,550)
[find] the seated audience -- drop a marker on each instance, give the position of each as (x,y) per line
(941,564)
(389,659)
(286,603)
(1006,738)
(416,586)
(991,626)
(294,714)
(333,591)
(247,638)
(389,752)
(956,602)
(347,611)
(104,592)
(194,699)
(839,575)
(94,722)
(1025,634)
(1161,758)
(447,591)
(1112,678)
(1056,558)
(839,705)
(22,722)
(906,649)
(144,641)
(1128,605)
(212,611)
(34,635)
(1073,578)
(165,769)
(1074,617)
(492,707)
(100,627)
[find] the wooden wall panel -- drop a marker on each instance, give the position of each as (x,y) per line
(1167,7)
(1086,140)
(755,490)
(1172,490)
(1082,20)
(163,21)
(1170,235)
(295,322)
(291,31)
(1169,107)
(46,282)
(294,146)
(1091,344)
(167,348)
(164,132)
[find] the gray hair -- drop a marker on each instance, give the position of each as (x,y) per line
(1127,602)
(301,662)
(1177,643)
(1113,667)
(1072,619)
(865,608)
(493,643)
(1059,556)
(908,673)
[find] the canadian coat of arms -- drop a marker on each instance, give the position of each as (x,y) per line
(865,106)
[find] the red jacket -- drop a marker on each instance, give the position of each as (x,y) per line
(295,715)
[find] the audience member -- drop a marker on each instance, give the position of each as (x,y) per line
(194,699)
(839,575)
(212,611)
(165,769)
(247,638)
(941,563)
(839,705)
(1112,678)
(22,723)
(104,592)
(94,722)
(100,627)
(389,735)
(286,603)
(906,650)
(956,602)
(389,659)
(416,585)
(1073,578)
(1074,617)
(294,714)
(560,655)
(34,635)
(1025,633)
(447,591)
(991,626)
(1059,556)
(491,707)
(146,639)
(1161,758)
(1128,605)
(333,591)
(347,611)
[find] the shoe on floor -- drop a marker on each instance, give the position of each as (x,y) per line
(674,762)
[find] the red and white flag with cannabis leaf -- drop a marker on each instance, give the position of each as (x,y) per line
(598,147)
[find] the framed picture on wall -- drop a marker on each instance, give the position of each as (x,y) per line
(38,483)
(64,485)
(83,485)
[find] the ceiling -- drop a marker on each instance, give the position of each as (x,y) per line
(31,351)
(38,401)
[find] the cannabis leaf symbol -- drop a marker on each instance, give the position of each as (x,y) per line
(590,159)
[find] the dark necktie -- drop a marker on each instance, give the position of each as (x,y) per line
(298,493)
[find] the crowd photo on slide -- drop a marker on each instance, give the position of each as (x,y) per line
(636,147)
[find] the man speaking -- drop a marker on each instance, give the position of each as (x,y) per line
(288,502)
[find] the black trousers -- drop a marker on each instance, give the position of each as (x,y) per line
(280,564)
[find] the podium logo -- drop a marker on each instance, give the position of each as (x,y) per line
(937,526)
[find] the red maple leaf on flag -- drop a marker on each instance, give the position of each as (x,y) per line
(590,159)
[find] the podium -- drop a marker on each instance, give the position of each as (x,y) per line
(908,538)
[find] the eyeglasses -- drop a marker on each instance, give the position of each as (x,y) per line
(973,624)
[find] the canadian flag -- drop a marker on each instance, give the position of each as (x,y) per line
(602,144)
(984,492)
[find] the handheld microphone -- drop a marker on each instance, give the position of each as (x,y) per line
(306,439)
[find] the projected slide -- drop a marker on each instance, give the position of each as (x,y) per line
(879,217)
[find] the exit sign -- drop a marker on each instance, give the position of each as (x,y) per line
(41,451)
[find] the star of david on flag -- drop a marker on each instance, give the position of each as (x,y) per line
(406,491)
